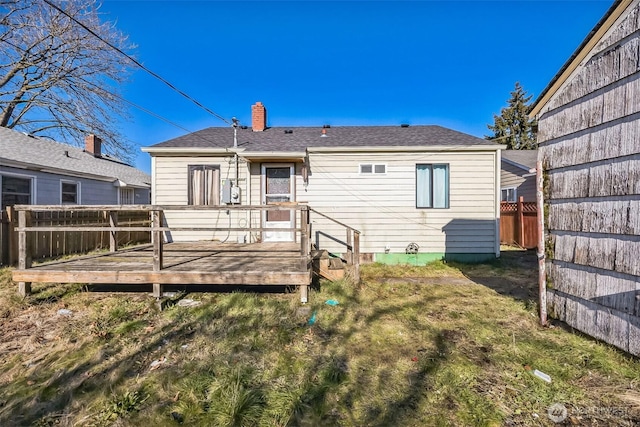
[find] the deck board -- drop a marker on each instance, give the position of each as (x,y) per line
(184,263)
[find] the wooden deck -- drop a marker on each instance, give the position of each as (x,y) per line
(210,263)
(184,264)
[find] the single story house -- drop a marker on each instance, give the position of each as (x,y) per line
(518,175)
(37,170)
(589,143)
(407,189)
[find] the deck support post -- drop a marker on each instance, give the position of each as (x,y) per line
(305,252)
(113,234)
(356,255)
(156,236)
(24,250)
(304,294)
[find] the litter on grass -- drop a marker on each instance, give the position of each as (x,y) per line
(312,319)
(188,303)
(332,302)
(64,312)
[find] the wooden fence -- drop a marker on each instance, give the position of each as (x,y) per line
(51,244)
(518,224)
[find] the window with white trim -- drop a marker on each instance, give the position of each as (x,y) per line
(432,186)
(509,194)
(15,190)
(69,192)
(204,185)
(371,168)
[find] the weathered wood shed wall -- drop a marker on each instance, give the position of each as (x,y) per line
(589,139)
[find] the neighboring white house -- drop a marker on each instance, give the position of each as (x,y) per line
(589,143)
(36,170)
(518,175)
(398,185)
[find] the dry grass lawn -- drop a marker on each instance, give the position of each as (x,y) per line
(442,345)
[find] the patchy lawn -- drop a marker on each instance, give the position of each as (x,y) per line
(442,345)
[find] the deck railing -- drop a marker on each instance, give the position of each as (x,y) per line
(157,227)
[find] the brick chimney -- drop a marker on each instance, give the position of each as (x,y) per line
(258,117)
(93,145)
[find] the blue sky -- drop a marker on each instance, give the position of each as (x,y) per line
(451,63)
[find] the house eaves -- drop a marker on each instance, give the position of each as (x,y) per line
(38,168)
(274,155)
(399,149)
(574,61)
(172,151)
(518,165)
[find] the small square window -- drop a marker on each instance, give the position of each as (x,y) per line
(366,168)
(369,168)
(508,195)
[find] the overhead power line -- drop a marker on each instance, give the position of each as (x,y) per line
(136,62)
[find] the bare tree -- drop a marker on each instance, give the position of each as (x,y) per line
(59,80)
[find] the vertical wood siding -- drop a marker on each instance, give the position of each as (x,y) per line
(589,139)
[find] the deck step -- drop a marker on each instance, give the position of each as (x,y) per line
(328,267)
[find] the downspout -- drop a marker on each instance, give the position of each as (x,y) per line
(542,285)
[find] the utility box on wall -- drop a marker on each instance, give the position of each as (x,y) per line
(230,193)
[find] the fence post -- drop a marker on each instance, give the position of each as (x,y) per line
(113,234)
(156,233)
(24,250)
(520,222)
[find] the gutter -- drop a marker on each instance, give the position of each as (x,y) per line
(395,149)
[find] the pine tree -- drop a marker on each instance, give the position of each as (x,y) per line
(513,126)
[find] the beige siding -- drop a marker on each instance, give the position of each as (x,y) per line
(171,188)
(525,183)
(589,135)
(383,207)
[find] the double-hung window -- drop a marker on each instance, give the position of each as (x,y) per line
(15,190)
(432,186)
(69,192)
(204,185)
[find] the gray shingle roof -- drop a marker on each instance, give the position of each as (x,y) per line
(45,153)
(301,138)
(526,158)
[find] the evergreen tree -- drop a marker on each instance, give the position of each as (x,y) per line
(513,126)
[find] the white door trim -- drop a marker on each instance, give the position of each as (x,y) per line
(278,236)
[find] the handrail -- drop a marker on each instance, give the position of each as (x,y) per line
(66,208)
(334,220)
(352,243)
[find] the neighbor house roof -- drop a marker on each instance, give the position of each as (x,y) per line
(594,36)
(524,159)
(21,150)
(299,139)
